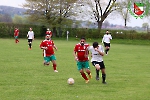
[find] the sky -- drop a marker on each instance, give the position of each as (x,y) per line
(133,22)
(13,3)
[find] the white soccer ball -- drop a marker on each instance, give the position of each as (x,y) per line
(70,81)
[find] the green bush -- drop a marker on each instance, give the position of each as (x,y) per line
(7,31)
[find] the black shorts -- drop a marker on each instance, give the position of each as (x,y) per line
(29,40)
(101,64)
(106,44)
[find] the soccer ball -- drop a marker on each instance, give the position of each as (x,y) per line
(70,81)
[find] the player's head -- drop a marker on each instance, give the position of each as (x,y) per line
(47,37)
(95,44)
(107,32)
(82,40)
(47,29)
(30,29)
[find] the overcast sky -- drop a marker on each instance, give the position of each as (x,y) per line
(14,3)
(118,21)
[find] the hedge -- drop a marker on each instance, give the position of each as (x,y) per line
(7,31)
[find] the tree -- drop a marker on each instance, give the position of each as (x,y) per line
(6,18)
(145,26)
(101,9)
(126,4)
(50,12)
(18,19)
(123,11)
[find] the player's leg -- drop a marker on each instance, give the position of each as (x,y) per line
(30,43)
(97,67)
(103,72)
(46,61)
(15,39)
(87,69)
(107,48)
(80,68)
(105,44)
(53,60)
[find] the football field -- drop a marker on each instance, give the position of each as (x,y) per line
(24,77)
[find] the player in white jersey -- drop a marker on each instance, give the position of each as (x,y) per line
(30,36)
(97,53)
(106,40)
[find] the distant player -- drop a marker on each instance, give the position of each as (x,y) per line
(81,59)
(48,32)
(48,52)
(30,36)
(16,34)
(106,40)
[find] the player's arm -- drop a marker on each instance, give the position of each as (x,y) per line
(27,35)
(42,46)
(110,37)
(54,46)
(75,56)
(33,36)
(75,53)
(86,52)
(102,39)
(101,53)
(18,32)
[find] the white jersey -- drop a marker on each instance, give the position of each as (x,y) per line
(30,34)
(106,38)
(95,55)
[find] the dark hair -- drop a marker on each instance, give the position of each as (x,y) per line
(95,44)
(82,38)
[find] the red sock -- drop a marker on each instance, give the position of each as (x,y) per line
(84,76)
(54,66)
(16,40)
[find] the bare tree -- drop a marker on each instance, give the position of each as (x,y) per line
(6,18)
(123,11)
(145,26)
(101,9)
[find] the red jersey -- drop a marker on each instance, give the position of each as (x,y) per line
(16,32)
(49,44)
(81,51)
(48,33)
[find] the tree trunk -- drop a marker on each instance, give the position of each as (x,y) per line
(99,26)
(60,31)
(54,31)
(125,23)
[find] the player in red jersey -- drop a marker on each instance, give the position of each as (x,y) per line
(48,32)
(82,60)
(48,47)
(16,34)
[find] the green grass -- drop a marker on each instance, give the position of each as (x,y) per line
(23,76)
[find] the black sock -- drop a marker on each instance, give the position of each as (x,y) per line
(97,72)
(103,77)
(106,51)
(30,45)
